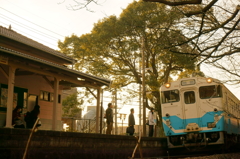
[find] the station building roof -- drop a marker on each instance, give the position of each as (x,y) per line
(32,57)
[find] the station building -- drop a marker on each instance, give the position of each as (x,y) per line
(32,73)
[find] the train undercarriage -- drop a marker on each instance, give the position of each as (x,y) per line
(197,141)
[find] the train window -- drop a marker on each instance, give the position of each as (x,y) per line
(213,91)
(170,96)
(189,97)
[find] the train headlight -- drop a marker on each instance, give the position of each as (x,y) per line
(211,125)
(209,80)
(168,123)
(167,85)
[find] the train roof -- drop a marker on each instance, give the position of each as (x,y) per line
(190,81)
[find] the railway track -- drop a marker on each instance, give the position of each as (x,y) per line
(212,152)
(198,156)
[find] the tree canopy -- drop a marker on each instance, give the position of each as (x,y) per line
(115,46)
(211,27)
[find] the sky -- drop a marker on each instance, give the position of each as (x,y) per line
(48,21)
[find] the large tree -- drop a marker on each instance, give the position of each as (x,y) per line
(115,46)
(212,28)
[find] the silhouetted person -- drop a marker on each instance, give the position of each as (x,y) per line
(32,116)
(131,122)
(109,117)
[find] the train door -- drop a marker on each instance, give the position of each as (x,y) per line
(190,109)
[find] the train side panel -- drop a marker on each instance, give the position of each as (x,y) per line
(232,112)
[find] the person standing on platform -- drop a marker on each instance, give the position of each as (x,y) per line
(152,121)
(109,117)
(131,122)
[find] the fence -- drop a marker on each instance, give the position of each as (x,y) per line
(89,125)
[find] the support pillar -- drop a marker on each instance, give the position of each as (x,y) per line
(55,104)
(98,110)
(11,81)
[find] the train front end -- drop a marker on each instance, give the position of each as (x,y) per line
(192,113)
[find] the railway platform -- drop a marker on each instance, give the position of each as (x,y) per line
(46,144)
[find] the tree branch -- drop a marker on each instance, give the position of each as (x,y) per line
(176,2)
(204,10)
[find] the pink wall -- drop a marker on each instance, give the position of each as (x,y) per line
(35,84)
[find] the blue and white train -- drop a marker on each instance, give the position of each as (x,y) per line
(199,111)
